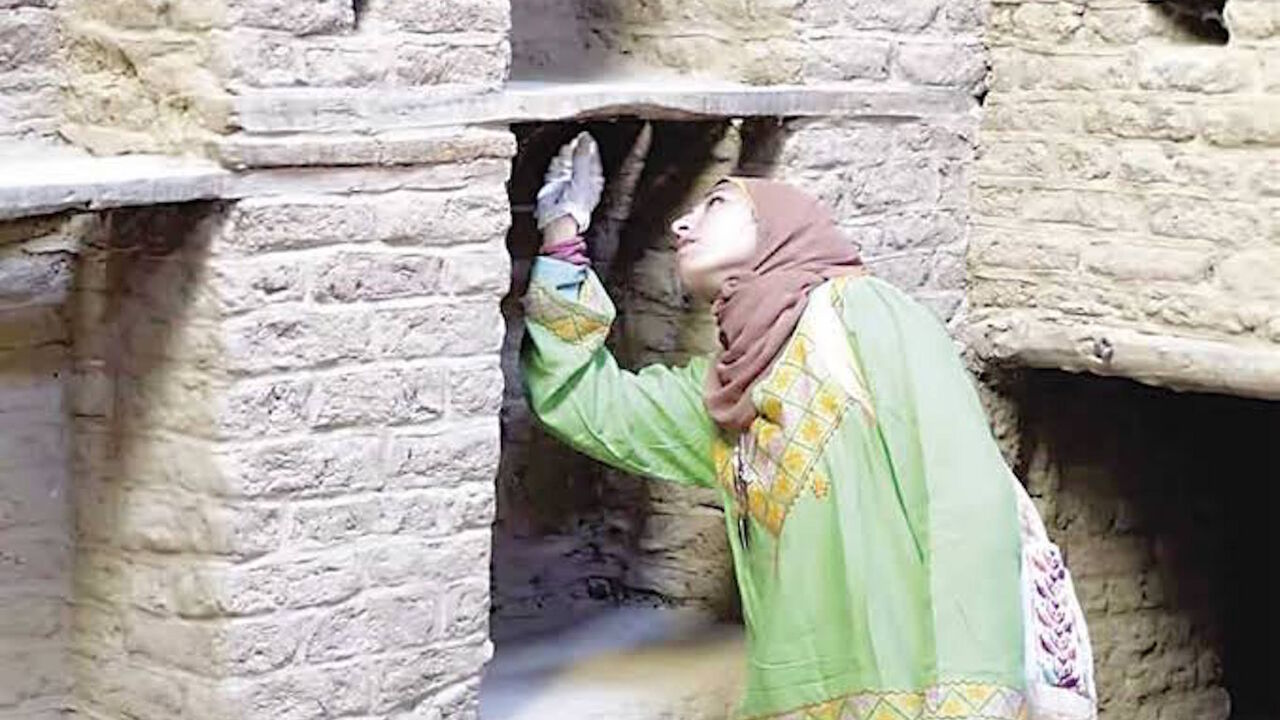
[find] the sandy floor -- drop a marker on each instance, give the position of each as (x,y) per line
(626,664)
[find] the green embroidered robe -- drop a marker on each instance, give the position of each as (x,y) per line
(881,576)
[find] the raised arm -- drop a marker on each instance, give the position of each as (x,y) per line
(650,422)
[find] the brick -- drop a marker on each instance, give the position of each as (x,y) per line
(825,148)
(476,389)
(213,649)
(421,64)
(1045,22)
(1015,158)
(411,395)
(1018,252)
(304,693)
(440,16)
(909,230)
(409,676)
(1252,274)
(1154,120)
(941,64)
(320,465)
(322,16)
(466,610)
(166,523)
(443,459)
(1125,261)
(1085,160)
(262,59)
(1188,217)
(287,339)
(908,16)
(297,581)
(28,38)
(238,287)
(34,278)
(256,409)
(447,329)
(1243,125)
(350,277)
(1123,25)
(405,218)
(1100,210)
(841,60)
(1145,163)
(474,273)
(1040,116)
(1195,69)
(896,184)
(1032,71)
(439,560)
(1252,18)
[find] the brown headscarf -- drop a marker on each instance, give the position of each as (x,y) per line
(798,248)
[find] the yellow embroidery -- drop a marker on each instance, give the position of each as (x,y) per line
(958,701)
(572,322)
(799,412)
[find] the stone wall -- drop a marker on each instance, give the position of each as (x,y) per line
(173,77)
(36,262)
(761,42)
(249,446)
(1127,211)
(30,101)
(1160,503)
(287,411)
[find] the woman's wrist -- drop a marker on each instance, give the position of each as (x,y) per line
(558,231)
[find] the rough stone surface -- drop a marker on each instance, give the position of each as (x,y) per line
(280,415)
(36,454)
(1158,539)
(1123,212)
(771,42)
(30,101)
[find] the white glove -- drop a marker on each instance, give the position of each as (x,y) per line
(573,183)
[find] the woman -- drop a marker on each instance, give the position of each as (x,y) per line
(873,523)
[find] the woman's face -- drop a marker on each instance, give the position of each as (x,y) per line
(714,238)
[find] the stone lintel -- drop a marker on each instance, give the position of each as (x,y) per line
(364,111)
(1246,368)
(52,182)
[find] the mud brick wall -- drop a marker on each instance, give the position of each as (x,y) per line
(168,77)
(772,41)
(1128,176)
(1160,503)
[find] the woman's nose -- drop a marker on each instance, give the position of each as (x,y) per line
(682,226)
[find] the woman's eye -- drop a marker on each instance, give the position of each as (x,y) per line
(714,200)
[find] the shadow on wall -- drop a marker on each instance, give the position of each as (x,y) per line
(1162,503)
(572,534)
(1201,19)
(586,39)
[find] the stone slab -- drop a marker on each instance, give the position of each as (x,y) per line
(1244,368)
(330,111)
(45,183)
